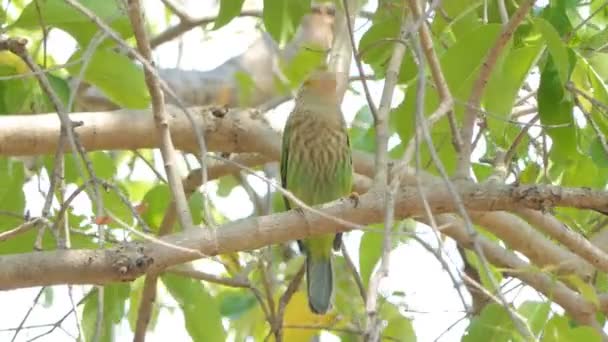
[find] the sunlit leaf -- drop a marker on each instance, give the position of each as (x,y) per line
(59,14)
(116,75)
(201,310)
(229,9)
(559,329)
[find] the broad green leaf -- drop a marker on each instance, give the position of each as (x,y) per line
(375,47)
(556,14)
(195,203)
(474,261)
(370,251)
(555,109)
(536,314)
(201,311)
(246,86)
(116,75)
(398,327)
(225,185)
(59,14)
(585,289)
(114,204)
(460,64)
(556,47)
(530,174)
(23,95)
(282,17)
(362,132)
(302,64)
(461,16)
(598,154)
(103,166)
(492,324)
(582,171)
(559,329)
(114,301)
(229,9)
(482,171)
(156,202)
(502,90)
(234,303)
(12,198)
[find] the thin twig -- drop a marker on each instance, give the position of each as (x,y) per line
(27,314)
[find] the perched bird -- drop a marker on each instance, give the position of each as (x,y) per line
(316,167)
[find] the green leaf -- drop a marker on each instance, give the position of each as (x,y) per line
(234,303)
(114,204)
(555,109)
(282,17)
(493,324)
(559,329)
(114,300)
(302,64)
(246,86)
(12,198)
(502,91)
(225,185)
(362,132)
(585,289)
(375,48)
(556,14)
(57,13)
(482,171)
(103,166)
(460,64)
(556,46)
(370,248)
(370,251)
(530,174)
(156,201)
(461,17)
(398,328)
(201,311)
(474,261)
(598,154)
(116,75)
(229,9)
(195,203)
(536,313)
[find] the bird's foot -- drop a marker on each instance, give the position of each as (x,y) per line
(354,196)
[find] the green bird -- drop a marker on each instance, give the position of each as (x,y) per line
(316,166)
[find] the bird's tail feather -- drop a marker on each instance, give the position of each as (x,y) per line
(319,279)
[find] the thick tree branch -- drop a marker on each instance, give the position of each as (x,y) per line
(130,261)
